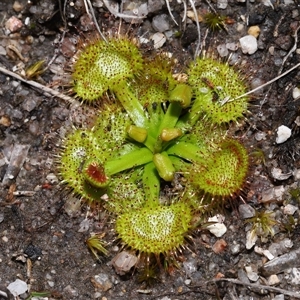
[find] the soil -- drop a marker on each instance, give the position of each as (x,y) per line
(42,235)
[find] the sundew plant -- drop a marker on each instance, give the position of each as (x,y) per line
(153,132)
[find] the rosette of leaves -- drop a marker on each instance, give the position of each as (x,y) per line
(151,129)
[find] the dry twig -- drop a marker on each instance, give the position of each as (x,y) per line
(260,287)
(41,87)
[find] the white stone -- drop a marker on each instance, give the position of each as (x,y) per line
(264,252)
(84,225)
(18,287)
(279,192)
(283,134)
(278,175)
(217,229)
(290,209)
(287,243)
(251,239)
(158,39)
(222,50)
(248,44)
(297,121)
(232,46)
(296,174)
(296,276)
(51,178)
(268,254)
(222,4)
(259,136)
(253,276)
(296,92)
(267,3)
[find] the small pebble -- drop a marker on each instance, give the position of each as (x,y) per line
(251,238)
(13,24)
(254,30)
(248,44)
(5,121)
(296,276)
(283,134)
(72,206)
(296,92)
(2,51)
(191,15)
(154,5)
(72,293)
(18,287)
(287,243)
(222,4)
(161,23)
(253,276)
(211,266)
(255,83)
(52,178)
(272,194)
(267,3)
(190,267)
(17,159)
(295,13)
(296,174)
(17,6)
(264,252)
(246,211)
(259,136)
(123,262)
(219,246)
(272,50)
(273,280)
(297,121)
(242,276)
(50,283)
(84,225)
(290,209)
(232,46)
(222,50)
(102,282)
(158,40)
(188,281)
(275,249)
(217,229)
(235,248)
(29,104)
(34,127)
(278,175)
